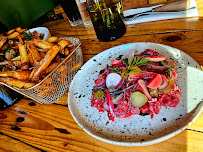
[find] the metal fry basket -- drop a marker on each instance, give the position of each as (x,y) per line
(57,82)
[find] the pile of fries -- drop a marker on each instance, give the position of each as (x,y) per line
(34,59)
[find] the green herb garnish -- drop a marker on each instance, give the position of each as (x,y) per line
(137,61)
(133,61)
(114,70)
(28,36)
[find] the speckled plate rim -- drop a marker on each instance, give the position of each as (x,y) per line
(196,112)
(143,143)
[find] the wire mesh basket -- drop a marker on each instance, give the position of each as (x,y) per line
(57,82)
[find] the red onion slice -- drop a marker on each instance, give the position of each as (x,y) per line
(118,98)
(110,103)
(116,109)
(143,87)
(106,106)
(129,104)
(165,82)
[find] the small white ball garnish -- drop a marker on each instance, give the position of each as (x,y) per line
(112,80)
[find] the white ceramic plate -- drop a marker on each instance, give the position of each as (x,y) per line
(137,130)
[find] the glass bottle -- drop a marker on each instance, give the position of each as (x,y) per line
(107,19)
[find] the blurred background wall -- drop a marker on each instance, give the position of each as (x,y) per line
(22,13)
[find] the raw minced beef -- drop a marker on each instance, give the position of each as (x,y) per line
(133,69)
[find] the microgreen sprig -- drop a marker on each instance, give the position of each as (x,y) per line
(138,61)
(115,70)
(28,36)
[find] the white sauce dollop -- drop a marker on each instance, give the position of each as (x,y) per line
(112,80)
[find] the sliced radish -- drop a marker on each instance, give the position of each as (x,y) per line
(120,83)
(143,87)
(113,79)
(116,62)
(175,76)
(155,82)
(157,58)
(164,82)
(110,104)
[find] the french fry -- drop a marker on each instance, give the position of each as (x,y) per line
(13,35)
(31,59)
(44,63)
(22,36)
(69,59)
(63,43)
(20,40)
(42,94)
(62,68)
(52,39)
(66,51)
(13,82)
(51,67)
(45,90)
(7,73)
(76,67)
(48,81)
(22,30)
(62,51)
(23,54)
(28,84)
(42,44)
(33,50)
(3,40)
(5,46)
(17,29)
(42,54)
(57,58)
(25,66)
(72,48)
(15,47)
(10,64)
(10,31)
(62,71)
(45,87)
(17,83)
(22,75)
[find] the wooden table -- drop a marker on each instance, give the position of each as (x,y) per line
(30,126)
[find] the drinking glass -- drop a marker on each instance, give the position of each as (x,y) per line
(107,19)
(83,8)
(71,10)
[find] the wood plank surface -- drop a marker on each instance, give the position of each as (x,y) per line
(167,26)
(171,32)
(52,128)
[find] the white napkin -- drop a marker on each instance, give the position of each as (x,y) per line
(162,16)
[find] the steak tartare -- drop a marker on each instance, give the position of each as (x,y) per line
(136,85)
